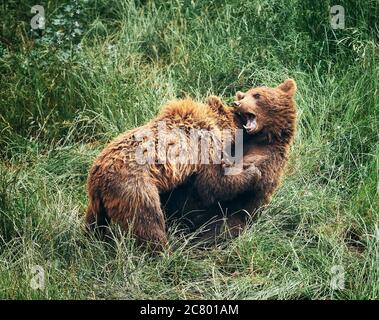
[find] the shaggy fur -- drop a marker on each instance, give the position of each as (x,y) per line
(126,192)
(269,115)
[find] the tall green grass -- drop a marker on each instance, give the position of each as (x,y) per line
(63,97)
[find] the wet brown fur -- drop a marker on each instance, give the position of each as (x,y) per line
(125,192)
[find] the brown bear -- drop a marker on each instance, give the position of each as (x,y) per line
(127,178)
(269,118)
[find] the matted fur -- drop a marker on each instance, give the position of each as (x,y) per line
(126,192)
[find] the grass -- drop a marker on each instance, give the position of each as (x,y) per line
(92,74)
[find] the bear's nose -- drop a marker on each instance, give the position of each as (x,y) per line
(236,103)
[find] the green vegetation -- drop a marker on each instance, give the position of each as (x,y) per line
(105,66)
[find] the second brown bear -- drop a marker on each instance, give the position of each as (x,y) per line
(269,119)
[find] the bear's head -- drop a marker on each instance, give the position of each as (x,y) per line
(268,112)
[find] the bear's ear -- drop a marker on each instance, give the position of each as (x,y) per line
(239,95)
(215,103)
(288,86)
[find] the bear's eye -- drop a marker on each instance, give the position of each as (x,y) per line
(256,95)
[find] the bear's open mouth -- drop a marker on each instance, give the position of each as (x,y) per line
(250,122)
